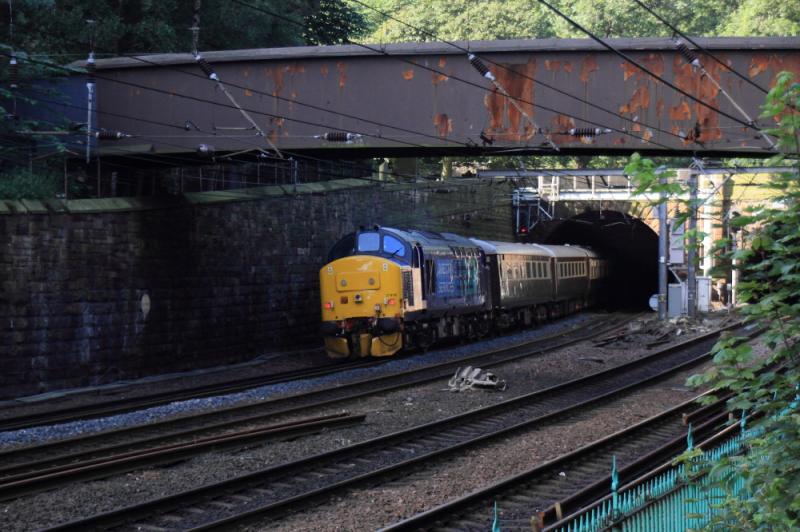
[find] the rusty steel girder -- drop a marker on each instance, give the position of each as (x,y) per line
(413,99)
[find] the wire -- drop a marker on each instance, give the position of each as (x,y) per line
(211,102)
(699,47)
(644,68)
(522,74)
(467,82)
(253,147)
(301,103)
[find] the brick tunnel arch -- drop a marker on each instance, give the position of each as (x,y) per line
(630,245)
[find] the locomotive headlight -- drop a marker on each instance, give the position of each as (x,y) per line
(377,307)
(357,298)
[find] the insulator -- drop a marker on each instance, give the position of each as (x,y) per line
(587,131)
(339,136)
(13,68)
(205,150)
(688,54)
(480,67)
(91,69)
(206,68)
(110,135)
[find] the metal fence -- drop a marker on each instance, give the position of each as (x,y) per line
(683,497)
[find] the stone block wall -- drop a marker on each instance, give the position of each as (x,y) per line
(100,290)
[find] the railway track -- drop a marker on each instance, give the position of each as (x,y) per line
(120,406)
(563,485)
(276,491)
(35,468)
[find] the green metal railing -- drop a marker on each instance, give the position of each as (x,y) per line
(682,497)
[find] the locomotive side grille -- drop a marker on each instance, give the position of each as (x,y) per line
(408,288)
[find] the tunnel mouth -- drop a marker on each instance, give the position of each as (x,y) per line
(630,246)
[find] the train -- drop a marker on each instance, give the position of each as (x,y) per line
(385,289)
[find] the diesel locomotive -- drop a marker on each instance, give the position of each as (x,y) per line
(384,289)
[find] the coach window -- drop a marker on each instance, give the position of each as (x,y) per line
(393,246)
(369,242)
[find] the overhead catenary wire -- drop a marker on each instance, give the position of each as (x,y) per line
(643,68)
(302,104)
(700,47)
(695,62)
(476,85)
(208,70)
(251,147)
(206,101)
(290,119)
(517,73)
(460,211)
(479,206)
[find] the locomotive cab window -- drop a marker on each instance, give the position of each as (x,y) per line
(369,242)
(393,246)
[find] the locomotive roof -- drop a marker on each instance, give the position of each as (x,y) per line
(431,238)
(500,248)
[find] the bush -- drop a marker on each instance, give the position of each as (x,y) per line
(24,184)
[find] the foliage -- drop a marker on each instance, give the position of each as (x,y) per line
(457,20)
(516,19)
(335,22)
(770,291)
(760,17)
(21,183)
(59,28)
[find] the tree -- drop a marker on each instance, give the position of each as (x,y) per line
(457,20)
(767,388)
(59,28)
(335,22)
(760,17)
(516,19)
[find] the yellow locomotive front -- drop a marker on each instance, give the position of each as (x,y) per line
(362,308)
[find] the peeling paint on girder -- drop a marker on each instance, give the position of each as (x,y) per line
(639,100)
(443,124)
(588,65)
(691,80)
(505,120)
(341,67)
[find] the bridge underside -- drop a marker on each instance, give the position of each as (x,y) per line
(427,99)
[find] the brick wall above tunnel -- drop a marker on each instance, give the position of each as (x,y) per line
(99,290)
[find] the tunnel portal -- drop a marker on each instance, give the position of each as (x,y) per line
(627,242)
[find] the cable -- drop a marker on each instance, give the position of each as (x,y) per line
(298,102)
(521,74)
(644,68)
(253,147)
(467,82)
(699,47)
(202,100)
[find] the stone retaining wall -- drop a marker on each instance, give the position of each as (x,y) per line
(100,290)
